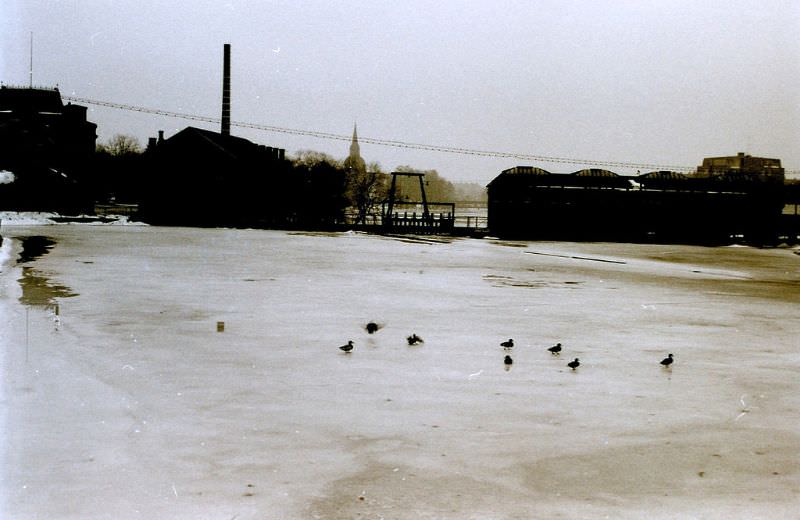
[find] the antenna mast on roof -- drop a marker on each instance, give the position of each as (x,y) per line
(31,69)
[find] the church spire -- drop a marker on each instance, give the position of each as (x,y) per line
(355,150)
(354,160)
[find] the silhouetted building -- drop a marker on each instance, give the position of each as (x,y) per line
(46,144)
(206,178)
(722,204)
(35,126)
(743,167)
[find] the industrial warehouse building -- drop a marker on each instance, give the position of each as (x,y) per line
(45,145)
(729,198)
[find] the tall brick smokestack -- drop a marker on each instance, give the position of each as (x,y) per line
(226,90)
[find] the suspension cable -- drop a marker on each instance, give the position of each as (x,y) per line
(383,142)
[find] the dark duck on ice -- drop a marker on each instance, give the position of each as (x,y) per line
(508,345)
(667,361)
(574,364)
(347,348)
(372,327)
(414,340)
(555,349)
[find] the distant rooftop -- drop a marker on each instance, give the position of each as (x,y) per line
(27,99)
(27,87)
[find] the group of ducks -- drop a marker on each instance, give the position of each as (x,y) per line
(555,350)
(372,328)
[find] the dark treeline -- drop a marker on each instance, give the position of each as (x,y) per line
(50,161)
(180,181)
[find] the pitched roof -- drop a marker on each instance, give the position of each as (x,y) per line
(228,145)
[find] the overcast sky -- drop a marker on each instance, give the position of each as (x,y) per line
(664,82)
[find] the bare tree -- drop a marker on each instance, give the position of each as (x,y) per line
(366,189)
(120,145)
(312,158)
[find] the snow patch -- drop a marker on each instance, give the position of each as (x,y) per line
(26,218)
(7,177)
(5,253)
(37,218)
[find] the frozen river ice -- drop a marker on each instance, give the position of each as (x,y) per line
(120,399)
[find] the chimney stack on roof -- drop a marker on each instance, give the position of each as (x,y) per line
(226,90)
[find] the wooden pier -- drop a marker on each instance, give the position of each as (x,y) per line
(425,223)
(417,217)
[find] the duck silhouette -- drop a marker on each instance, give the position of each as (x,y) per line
(347,348)
(508,361)
(508,345)
(574,364)
(414,339)
(372,327)
(667,361)
(555,349)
